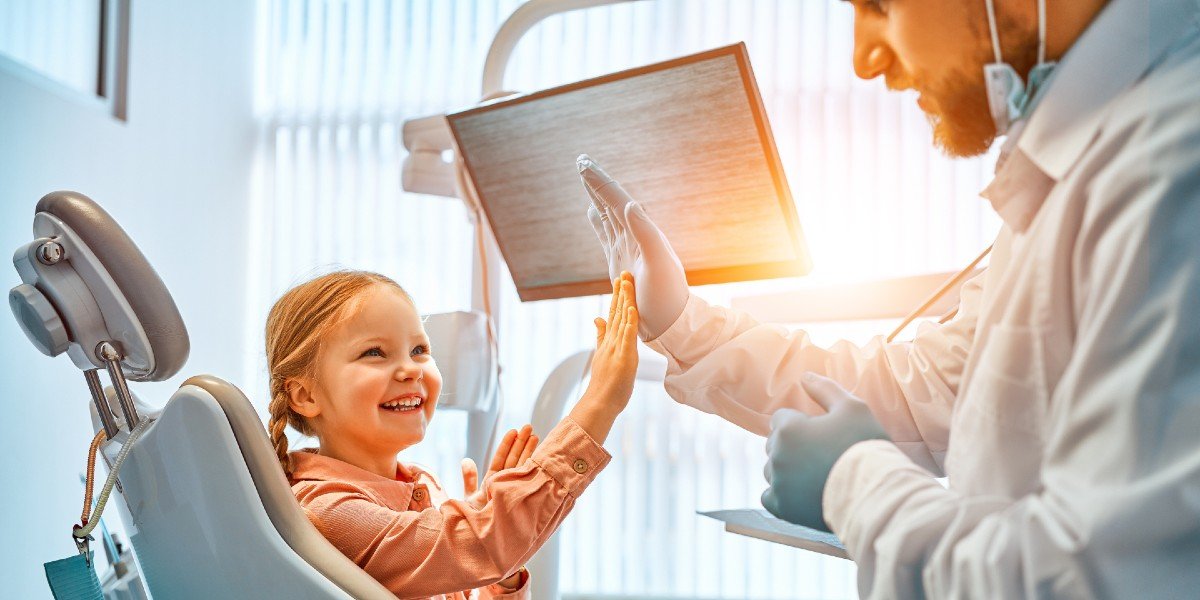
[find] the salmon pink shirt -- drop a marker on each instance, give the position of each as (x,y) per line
(419,543)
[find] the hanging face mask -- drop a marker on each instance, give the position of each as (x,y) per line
(1008,97)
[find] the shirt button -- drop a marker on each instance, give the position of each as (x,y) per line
(419,494)
(580,466)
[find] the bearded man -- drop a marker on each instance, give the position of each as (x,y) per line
(1062,403)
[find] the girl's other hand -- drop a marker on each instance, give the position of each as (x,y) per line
(515,448)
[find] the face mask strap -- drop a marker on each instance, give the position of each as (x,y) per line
(1007,95)
(991,14)
(1041,5)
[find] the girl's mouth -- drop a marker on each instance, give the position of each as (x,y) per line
(404,404)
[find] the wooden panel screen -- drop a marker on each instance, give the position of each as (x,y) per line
(688,138)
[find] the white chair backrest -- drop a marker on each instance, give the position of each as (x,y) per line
(211,514)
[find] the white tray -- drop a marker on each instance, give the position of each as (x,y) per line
(763,525)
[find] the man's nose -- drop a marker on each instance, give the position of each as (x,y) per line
(871,62)
(872,57)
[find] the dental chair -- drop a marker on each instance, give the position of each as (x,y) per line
(206,505)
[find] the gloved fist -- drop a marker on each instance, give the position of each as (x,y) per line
(801,450)
(633,243)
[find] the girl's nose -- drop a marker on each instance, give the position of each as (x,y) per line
(408,370)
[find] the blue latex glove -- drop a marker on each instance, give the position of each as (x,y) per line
(801,450)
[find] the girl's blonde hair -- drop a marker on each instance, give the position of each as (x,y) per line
(297,323)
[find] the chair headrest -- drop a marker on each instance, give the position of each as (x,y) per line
(86,282)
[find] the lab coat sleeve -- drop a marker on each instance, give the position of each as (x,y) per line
(1118,512)
(723,362)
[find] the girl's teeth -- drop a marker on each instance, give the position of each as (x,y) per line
(406,404)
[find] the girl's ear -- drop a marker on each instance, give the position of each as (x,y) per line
(300,398)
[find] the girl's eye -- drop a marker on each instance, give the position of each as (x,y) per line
(420,349)
(374,351)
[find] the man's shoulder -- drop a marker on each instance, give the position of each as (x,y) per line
(1166,100)
(1150,133)
(1140,169)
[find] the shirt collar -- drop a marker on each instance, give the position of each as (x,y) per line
(308,465)
(1114,52)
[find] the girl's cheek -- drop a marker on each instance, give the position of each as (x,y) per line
(370,372)
(434,377)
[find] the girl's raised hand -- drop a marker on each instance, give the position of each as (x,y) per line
(615,362)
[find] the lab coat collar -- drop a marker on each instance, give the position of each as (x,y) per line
(1124,41)
(1020,187)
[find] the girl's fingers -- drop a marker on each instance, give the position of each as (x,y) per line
(614,309)
(622,299)
(616,297)
(470,476)
(632,292)
(626,296)
(629,336)
(623,334)
(506,445)
(515,452)
(530,446)
(614,323)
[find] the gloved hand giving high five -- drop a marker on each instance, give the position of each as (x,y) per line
(633,243)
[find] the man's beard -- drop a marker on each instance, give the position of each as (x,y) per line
(962,124)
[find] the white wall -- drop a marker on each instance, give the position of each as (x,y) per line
(176,176)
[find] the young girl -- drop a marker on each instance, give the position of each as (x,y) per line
(350,365)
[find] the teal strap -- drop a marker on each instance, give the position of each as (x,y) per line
(1037,77)
(73,578)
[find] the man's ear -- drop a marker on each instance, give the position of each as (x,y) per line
(301,399)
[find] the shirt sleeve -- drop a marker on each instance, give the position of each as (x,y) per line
(498,592)
(1118,512)
(455,547)
(722,361)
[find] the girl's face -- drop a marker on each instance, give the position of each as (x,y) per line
(375,385)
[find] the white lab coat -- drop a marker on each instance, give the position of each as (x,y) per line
(1063,402)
